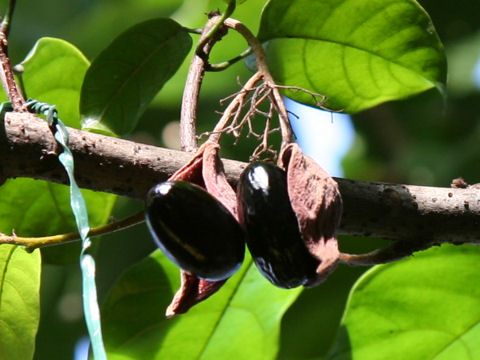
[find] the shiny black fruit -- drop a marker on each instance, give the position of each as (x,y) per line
(195,230)
(273,235)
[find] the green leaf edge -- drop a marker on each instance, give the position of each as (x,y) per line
(360,282)
(440,86)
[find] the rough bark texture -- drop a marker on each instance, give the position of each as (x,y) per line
(28,149)
(406,212)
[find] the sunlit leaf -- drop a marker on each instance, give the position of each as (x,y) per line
(125,77)
(53,73)
(240,321)
(19,302)
(425,307)
(358,53)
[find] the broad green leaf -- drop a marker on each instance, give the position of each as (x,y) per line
(125,77)
(53,73)
(240,321)
(358,53)
(424,307)
(19,302)
(39,208)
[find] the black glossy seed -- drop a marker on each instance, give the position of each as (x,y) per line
(195,230)
(273,235)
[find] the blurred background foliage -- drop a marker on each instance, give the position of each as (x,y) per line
(424,140)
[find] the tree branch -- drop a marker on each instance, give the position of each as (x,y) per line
(32,243)
(188,115)
(6,73)
(419,214)
(262,67)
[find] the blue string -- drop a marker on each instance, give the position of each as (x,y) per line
(79,209)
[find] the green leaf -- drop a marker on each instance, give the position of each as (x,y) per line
(126,76)
(240,321)
(19,302)
(53,73)
(39,208)
(358,53)
(424,307)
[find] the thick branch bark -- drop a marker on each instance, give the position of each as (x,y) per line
(103,163)
(421,214)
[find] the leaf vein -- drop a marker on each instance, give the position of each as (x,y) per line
(224,310)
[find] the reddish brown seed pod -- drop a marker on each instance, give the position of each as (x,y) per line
(317,203)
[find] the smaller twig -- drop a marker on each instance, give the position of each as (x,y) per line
(255,102)
(263,147)
(6,73)
(32,243)
(394,252)
(236,127)
(225,64)
(211,32)
(18,71)
(263,69)
(232,121)
(242,86)
(7,19)
(197,31)
(229,97)
(315,96)
(246,119)
(229,112)
(191,93)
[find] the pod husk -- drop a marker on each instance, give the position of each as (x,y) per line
(317,203)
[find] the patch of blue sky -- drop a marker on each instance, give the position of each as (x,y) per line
(82,349)
(324,136)
(476,74)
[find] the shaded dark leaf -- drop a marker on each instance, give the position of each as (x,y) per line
(125,77)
